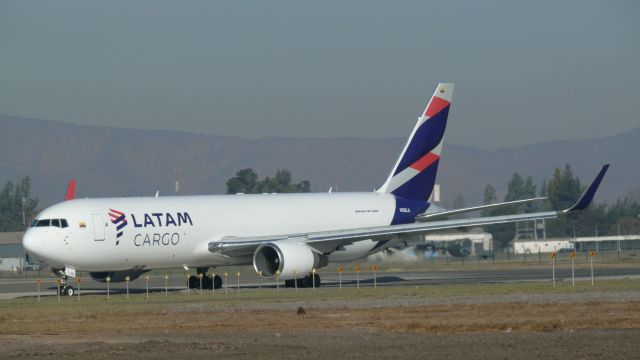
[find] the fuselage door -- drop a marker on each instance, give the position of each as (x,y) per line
(98,227)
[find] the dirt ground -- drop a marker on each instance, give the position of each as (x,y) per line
(563,325)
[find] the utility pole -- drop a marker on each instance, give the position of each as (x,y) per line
(177,181)
(24,219)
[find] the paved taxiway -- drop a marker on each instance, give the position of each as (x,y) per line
(13,288)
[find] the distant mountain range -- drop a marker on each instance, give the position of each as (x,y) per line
(124,162)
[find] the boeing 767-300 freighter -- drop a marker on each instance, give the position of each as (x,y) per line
(282,235)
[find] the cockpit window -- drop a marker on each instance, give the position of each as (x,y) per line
(43,223)
(61,223)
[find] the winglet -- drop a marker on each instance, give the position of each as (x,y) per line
(587,196)
(71,190)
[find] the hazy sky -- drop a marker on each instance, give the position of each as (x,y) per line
(524,73)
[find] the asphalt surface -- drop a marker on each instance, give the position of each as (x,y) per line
(21,287)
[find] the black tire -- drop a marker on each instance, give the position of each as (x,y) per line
(207,283)
(317,280)
(194,282)
(69,290)
(289,283)
(217,282)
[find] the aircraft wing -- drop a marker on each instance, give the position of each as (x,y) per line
(329,241)
(427,217)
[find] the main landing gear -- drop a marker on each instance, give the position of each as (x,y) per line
(305,282)
(207,281)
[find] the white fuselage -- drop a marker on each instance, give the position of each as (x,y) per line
(174,231)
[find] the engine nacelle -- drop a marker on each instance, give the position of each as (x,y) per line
(290,258)
(117,276)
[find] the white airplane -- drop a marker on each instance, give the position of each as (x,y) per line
(284,236)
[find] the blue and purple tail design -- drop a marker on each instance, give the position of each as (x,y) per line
(414,174)
(118,218)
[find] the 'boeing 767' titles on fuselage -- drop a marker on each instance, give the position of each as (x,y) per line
(281,235)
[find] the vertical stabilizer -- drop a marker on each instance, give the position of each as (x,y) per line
(71,190)
(414,173)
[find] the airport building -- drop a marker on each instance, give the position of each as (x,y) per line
(12,254)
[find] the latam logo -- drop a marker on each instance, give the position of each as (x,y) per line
(147,236)
(159,219)
(119,219)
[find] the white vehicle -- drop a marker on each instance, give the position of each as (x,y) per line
(284,236)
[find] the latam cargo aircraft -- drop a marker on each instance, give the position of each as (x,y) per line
(284,236)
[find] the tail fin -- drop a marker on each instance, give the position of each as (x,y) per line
(71,190)
(414,174)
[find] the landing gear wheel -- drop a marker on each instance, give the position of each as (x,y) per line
(207,283)
(217,282)
(68,290)
(194,282)
(305,282)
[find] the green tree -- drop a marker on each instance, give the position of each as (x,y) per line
(517,189)
(624,216)
(282,183)
(246,181)
(563,189)
(17,206)
(490,195)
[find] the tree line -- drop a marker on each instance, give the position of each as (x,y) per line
(562,190)
(246,181)
(17,206)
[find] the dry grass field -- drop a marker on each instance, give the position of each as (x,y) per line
(520,320)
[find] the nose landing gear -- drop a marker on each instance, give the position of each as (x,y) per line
(65,288)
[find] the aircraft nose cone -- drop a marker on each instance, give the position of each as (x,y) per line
(32,242)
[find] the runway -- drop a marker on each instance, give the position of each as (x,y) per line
(15,288)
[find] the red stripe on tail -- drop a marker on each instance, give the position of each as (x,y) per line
(435,106)
(425,161)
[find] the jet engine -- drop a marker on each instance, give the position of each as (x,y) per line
(117,276)
(288,257)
